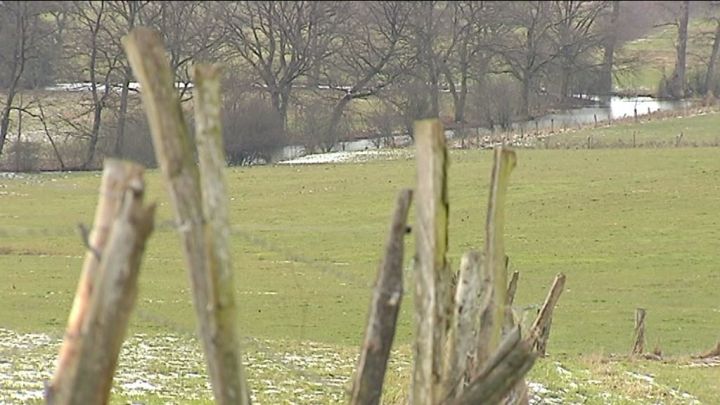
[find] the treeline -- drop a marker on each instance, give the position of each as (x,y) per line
(315,72)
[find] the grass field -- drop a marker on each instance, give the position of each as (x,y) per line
(655,54)
(657,130)
(629,227)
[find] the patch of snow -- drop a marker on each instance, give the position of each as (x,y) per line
(138,387)
(344,157)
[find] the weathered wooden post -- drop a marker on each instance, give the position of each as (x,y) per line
(198,199)
(468,305)
(639,335)
(509,299)
(384,309)
(540,330)
(106,291)
(432,273)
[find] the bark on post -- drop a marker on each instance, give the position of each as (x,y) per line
(175,156)
(460,349)
(639,335)
(384,309)
(223,313)
(113,299)
(432,274)
(115,181)
(495,260)
(509,299)
(540,330)
(502,372)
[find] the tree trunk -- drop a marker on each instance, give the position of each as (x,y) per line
(330,137)
(434,95)
(525,101)
(5,121)
(122,114)
(18,67)
(280,99)
(461,101)
(97,101)
(94,134)
(565,81)
(606,79)
(677,81)
(710,75)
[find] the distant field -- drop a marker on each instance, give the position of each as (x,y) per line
(656,55)
(629,227)
(657,130)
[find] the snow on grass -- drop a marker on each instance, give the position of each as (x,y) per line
(170,368)
(350,157)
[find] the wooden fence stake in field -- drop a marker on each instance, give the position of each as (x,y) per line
(639,335)
(433,298)
(502,373)
(199,212)
(540,330)
(470,301)
(510,298)
(384,309)
(495,260)
(106,290)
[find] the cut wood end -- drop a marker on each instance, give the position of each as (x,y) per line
(205,71)
(142,36)
(431,131)
(506,156)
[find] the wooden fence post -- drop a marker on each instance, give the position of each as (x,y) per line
(432,273)
(203,244)
(540,330)
(105,297)
(639,335)
(115,181)
(509,299)
(384,309)
(469,304)
(495,259)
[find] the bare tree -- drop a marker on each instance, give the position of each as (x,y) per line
(373,54)
(89,43)
(124,16)
(429,25)
(575,38)
(676,84)
(610,41)
(18,26)
(190,31)
(281,41)
(528,49)
(714,13)
(472,27)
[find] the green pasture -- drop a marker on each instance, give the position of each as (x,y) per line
(654,55)
(649,132)
(629,227)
